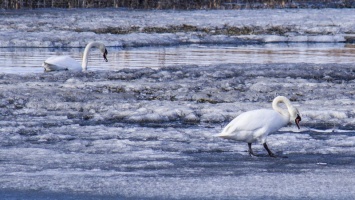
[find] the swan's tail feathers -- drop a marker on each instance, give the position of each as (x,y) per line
(223,135)
(217,135)
(226,132)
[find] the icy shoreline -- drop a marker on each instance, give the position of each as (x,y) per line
(188,95)
(149,133)
(121,28)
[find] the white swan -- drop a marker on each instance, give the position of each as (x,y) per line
(57,63)
(256,125)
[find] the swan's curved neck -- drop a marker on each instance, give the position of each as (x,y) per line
(277,108)
(84,63)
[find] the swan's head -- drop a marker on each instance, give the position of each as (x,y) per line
(103,50)
(105,54)
(295,115)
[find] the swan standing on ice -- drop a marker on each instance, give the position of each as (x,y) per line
(57,63)
(256,125)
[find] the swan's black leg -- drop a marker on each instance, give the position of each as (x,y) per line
(251,153)
(269,151)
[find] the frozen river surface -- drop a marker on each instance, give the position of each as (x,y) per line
(122,28)
(148,133)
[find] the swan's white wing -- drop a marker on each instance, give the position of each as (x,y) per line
(252,125)
(57,63)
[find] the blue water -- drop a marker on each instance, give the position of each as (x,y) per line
(29,60)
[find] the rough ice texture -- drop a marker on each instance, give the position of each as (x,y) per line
(116,27)
(185,94)
(149,133)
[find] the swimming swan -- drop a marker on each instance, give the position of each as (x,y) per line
(57,63)
(256,125)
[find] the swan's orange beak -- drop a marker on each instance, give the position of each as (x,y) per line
(297,121)
(105,54)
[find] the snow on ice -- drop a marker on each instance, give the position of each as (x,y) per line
(118,27)
(127,133)
(149,133)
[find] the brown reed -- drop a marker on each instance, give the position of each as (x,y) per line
(176,4)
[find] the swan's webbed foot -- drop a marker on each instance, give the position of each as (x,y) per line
(251,153)
(270,152)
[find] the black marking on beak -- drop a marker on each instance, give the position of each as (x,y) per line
(105,54)
(297,121)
